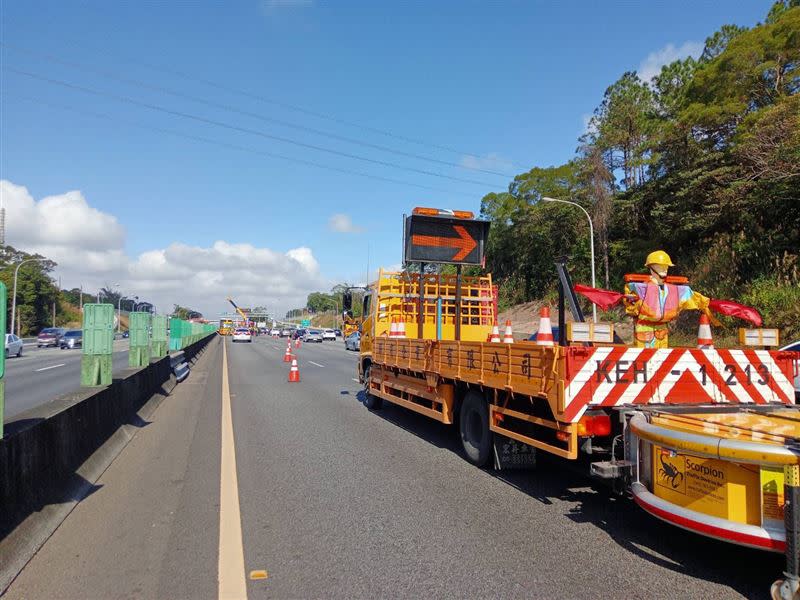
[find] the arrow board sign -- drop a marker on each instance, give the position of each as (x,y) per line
(445,240)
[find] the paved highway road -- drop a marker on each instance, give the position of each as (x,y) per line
(332,500)
(41,374)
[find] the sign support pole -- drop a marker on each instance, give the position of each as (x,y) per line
(458,303)
(420,310)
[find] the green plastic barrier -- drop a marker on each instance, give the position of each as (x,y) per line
(160,344)
(139,350)
(98,344)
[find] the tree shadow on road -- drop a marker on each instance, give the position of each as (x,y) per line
(748,572)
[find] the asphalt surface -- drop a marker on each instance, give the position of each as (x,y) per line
(42,374)
(338,501)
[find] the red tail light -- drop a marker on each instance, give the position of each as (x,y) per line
(598,424)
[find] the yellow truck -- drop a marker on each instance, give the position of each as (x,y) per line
(705,439)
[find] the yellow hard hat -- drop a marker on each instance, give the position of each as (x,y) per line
(659,257)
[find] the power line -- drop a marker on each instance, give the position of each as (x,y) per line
(263,134)
(295,107)
(178,94)
(214,142)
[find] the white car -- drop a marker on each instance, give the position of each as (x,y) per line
(795,347)
(329,334)
(242,334)
(275,332)
(312,336)
(13,345)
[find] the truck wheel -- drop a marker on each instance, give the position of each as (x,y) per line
(370,401)
(474,425)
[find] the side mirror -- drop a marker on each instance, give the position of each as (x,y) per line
(347,300)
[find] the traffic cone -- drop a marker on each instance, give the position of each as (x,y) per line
(393,328)
(544,337)
(297,343)
(495,337)
(704,339)
(401,329)
(287,356)
(294,372)
(508,337)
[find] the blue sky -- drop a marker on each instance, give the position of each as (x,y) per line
(508,82)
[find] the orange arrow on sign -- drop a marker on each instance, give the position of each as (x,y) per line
(464,242)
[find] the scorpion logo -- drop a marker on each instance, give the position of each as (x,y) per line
(670,472)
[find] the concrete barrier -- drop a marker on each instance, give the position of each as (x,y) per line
(51,455)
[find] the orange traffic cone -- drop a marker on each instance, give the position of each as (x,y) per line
(704,339)
(297,343)
(544,337)
(495,337)
(508,337)
(294,372)
(287,356)
(393,328)
(401,329)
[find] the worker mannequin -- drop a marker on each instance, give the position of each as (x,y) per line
(655,303)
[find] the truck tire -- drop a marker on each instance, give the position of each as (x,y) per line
(474,426)
(370,401)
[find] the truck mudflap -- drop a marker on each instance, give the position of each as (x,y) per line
(733,475)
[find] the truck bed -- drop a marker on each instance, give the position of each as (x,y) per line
(575,378)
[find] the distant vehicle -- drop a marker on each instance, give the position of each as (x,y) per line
(127,334)
(13,345)
(275,332)
(353,342)
(312,336)
(795,347)
(50,336)
(338,332)
(328,334)
(299,333)
(242,334)
(72,339)
(286,332)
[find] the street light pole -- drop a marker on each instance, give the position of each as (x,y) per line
(119,313)
(14,299)
(591,243)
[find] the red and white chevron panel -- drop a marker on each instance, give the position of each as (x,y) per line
(620,375)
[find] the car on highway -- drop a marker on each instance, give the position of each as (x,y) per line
(338,332)
(353,341)
(312,336)
(328,334)
(242,334)
(72,339)
(299,333)
(286,332)
(274,332)
(795,347)
(50,336)
(13,345)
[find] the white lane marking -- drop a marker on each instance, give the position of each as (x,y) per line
(230,568)
(356,380)
(50,367)
(316,364)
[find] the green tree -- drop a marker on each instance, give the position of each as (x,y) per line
(36,292)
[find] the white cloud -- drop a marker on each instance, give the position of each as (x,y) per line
(651,66)
(88,246)
(491,162)
(342,223)
(588,125)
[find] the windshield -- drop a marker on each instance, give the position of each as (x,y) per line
(73,334)
(48,330)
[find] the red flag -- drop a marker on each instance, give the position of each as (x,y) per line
(734,309)
(605,299)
